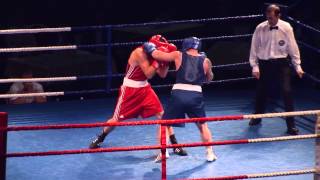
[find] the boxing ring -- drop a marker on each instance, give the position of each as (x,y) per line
(221,121)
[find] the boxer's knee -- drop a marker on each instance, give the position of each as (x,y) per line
(202,127)
(113,120)
(170,130)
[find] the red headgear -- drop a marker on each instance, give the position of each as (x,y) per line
(161,42)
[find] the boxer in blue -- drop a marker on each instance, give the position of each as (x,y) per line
(193,70)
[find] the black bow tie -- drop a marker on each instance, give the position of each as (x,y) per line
(274,28)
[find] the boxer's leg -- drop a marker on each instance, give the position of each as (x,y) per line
(169,135)
(100,138)
(173,140)
(197,110)
(179,151)
(205,133)
(207,137)
(174,110)
(158,158)
(159,116)
(128,106)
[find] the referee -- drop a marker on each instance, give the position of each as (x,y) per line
(273,43)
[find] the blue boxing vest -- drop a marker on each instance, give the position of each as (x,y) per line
(191,70)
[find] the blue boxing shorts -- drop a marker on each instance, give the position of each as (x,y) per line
(183,102)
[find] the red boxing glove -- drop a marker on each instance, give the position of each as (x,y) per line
(171,47)
(163,49)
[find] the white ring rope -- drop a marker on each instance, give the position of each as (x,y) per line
(73,78)
(31,49)
(3,96)
(262,175)
(73,47)
(247,116)
(283,114)
(36,30)
(284,173)
(50,79)
(283,138)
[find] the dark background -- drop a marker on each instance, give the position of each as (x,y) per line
(52,13)
(56,13)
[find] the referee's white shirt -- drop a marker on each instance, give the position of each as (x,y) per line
(272,44)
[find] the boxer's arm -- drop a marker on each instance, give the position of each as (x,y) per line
(148,69)
(166,57)
(151,50)
(207,65)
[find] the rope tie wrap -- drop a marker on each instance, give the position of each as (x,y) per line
(282,114)
(285,173)
(38,49)
(260,175)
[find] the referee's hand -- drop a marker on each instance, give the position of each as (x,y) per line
(256,74)
(300,73)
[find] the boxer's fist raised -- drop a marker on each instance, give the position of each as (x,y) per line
(149,47)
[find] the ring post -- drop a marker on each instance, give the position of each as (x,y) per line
(109,58)
(163,152)
(317,166)
(3,144)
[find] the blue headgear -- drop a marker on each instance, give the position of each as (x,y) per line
(191,43)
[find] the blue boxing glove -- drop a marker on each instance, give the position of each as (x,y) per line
(203,54)
(149,48)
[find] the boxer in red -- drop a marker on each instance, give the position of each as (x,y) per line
(136,97)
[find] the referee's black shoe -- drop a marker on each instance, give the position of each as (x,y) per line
(293,131)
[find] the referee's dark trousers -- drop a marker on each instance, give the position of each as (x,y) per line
(275,72)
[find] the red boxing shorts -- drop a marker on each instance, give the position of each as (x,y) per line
(135,102)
